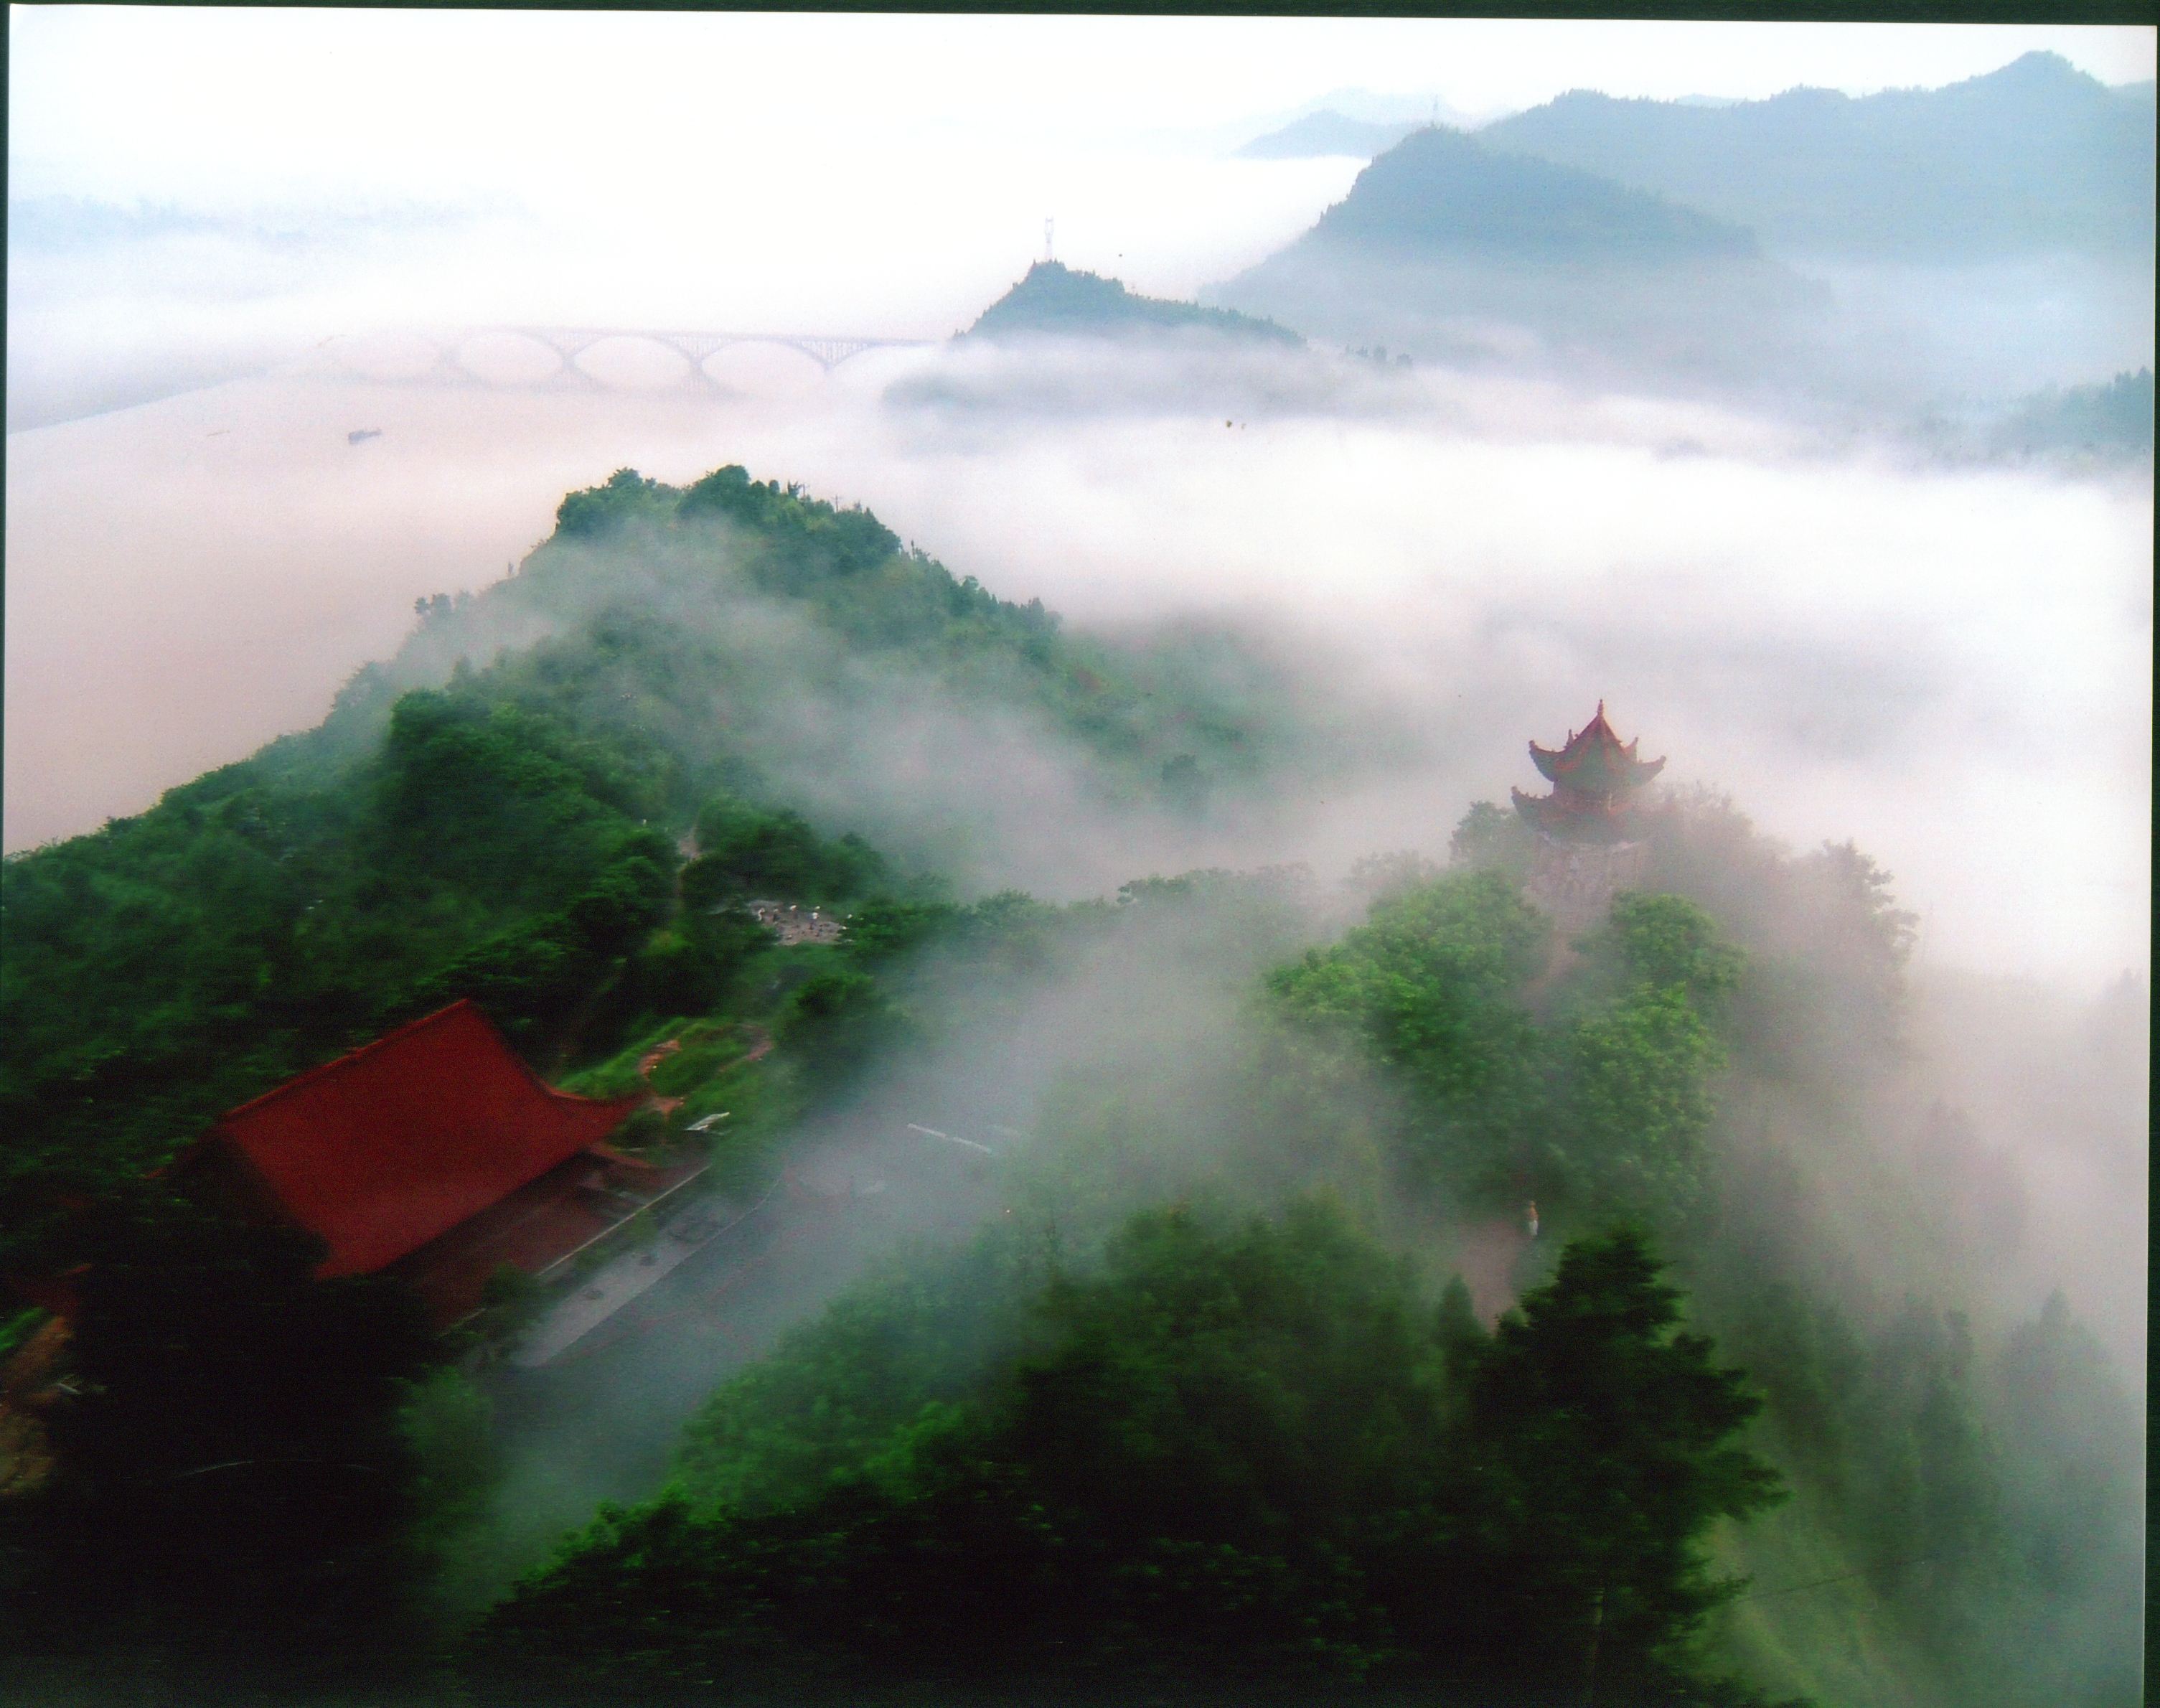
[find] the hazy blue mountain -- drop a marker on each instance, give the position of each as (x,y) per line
(1438,191)
(1326,133)
(1056,299)
(2033,158)
(1449,249)
(1370,106)
(2110,423)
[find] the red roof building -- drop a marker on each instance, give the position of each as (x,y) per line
(1595,778)
(433,1153)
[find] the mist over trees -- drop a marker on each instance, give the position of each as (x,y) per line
(1194,1387)
(1056,299)
(1115,1167)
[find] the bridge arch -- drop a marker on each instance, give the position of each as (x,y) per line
(447,361)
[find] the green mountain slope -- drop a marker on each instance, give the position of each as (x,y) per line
(495,810)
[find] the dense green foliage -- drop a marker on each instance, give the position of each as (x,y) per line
(494,831)
(1056,298)
(1601,1108)
(268,916)
(230,1488)
(1113,1440)
(1244,1450)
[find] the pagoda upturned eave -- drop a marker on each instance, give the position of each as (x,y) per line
(1595,771)
(1596,760)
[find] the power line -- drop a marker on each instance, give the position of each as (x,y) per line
(1793,1589)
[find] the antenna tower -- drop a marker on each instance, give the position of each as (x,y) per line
(1049,237)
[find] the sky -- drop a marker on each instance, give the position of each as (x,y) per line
(837,173)
(205,106)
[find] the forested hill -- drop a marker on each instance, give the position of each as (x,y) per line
(1056,298)
(1195,1406)
(495,810)
(2032,158)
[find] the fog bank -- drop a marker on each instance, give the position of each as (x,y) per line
(1951,667)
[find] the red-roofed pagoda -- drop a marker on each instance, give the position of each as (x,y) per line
(1588,828)
(433,1155)
(1594,779)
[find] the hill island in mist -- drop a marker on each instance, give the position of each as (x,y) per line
(1058,300)
(1536,1269)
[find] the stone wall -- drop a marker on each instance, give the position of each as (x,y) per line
(1575,882)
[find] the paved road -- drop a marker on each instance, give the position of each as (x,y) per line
(601,1421)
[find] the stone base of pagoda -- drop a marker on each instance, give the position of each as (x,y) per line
(1575,881)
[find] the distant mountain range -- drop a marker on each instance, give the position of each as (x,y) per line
(1451,249)
(1059,299)
(2035,157)
(1441,192)
(1766,243)
(1326,133)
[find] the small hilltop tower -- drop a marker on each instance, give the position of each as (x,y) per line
(1588,828)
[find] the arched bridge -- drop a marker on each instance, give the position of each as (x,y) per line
(443,354)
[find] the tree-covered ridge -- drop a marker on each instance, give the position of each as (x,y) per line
(1053,298)
(494,812)
(1202,1389)
(1244,1450)
(1187,1424)
(715,607)
(1598,1106)
(269,915)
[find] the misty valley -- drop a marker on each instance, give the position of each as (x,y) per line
(1445,1001)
